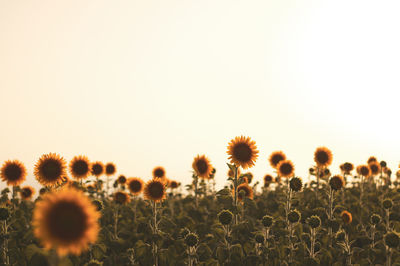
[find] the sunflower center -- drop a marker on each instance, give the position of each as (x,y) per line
(97,169)
(51,169)
(159,173)
(364,171)
(322,157)
(242,152)
(156,190)
(276,159)
(26,193)
(110,169)
(13,172)
(67,221)
(202,166)
(286,168)
(135,186)
(80,168)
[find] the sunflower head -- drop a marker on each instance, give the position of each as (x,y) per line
(336,182)
(371,159)
(121,180)
(244,191)
(268,179)
(347,168)
(135,185)
(121,197)
(242,152)
(79,167)
(27,192)
(159,172)
(174,184)
(13,172)
(346,217)
(155,190)
(323,157)
(97,169)
(285,168)
(364,170)
(202,167)
(50,169)
(276,157)
(110,169)
(375,168)
(66,220)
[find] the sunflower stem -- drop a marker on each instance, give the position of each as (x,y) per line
(235,185)
(196,181)
(6,259)
(155,231)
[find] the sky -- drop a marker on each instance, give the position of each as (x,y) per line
(148,83)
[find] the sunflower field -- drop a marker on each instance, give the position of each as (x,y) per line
(87,214)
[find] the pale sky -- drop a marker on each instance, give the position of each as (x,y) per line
(147,83)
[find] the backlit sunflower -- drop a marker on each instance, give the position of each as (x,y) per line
(323,157)
(276,157)
(110,169)
(159,172)
(174,184)
(371,159)
(27,192)
(79,167)
(364,170)
(202,166)
(66,220)
(285,168)
(97,169)
(346,217)
(121,197)
(248,191)
(242,152)
(155,190)
(121,180)
(50,169)
(375,168)
(135,185)
(347,168)
(268,179)
(13,172)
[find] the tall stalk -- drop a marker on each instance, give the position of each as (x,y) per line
(155,232)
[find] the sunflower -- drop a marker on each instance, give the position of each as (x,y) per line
(248,191)
(50,169)
(135,185)
(268,179)
(66,220)
(364,170)
(97,169)
(242,152)
(27,192)
(375,168)
(346,217)
(79,167)
(337,182)
(159,172)
(276,157)
(13,172)
(110,169)
(285,168)
(371,159)
(155,190)
(202,166)
(322,157)
(121,197)
(347,168)
(121,180)
(174,184)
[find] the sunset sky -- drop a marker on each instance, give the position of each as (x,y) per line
(147,83)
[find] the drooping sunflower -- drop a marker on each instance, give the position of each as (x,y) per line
(50,169)
(158,172)
(66,220)
(285,168)
(375,168)
(276,157)
(121,197)
(347,168)
(323,157)
(27,192)
(79,167)
(110,169)
(248,191)
(121,180)
(201,165)
(242,152)
(337,182)
(97,169)
(13,172)
(135,185)
(155,190)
